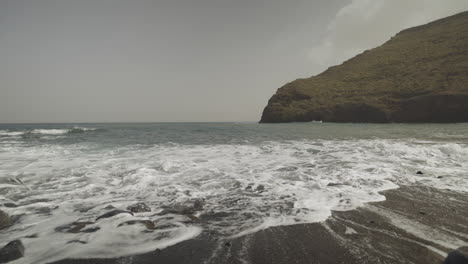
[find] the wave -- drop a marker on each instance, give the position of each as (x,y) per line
(243,188)
(49,131)
(10,133)
(75,130)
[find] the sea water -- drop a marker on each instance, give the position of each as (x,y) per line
(244,176)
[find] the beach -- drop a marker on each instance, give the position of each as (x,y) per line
(413,225)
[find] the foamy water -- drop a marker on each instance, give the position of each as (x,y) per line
(246,177)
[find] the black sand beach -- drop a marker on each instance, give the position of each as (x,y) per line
(417,225)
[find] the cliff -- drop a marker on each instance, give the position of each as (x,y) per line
(419,75)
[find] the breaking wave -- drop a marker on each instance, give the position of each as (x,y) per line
(39,132)
(227,190)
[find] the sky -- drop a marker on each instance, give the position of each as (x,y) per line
(180,60)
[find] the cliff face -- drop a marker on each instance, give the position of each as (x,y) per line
(420,75)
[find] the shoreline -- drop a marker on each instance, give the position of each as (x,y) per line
(413,225)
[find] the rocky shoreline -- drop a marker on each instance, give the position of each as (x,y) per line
(414,225)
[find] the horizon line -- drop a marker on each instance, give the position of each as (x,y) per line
(124,122)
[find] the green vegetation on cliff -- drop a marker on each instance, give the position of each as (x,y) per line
(419,75)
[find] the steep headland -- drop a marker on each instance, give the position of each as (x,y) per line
(419,75)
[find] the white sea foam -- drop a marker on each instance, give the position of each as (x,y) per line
(45,132)
(50,131)
(10,133)
(253,186)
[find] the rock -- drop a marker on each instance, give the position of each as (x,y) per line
(85,209)
(193,218)
(109,207)
(316,186)
(188,208)
(260,188)
(237,185)
(113,213)
(47,210)
(440,177)
(166,226)
(74,227)
(459,256)
(5,220)
(10,205)
(410,85)
(198,204)
(331,184)
(90,230)
(420,173)
(211,215)
(287,169)
(76,241)
(148,223)
(12,251)
(139,208)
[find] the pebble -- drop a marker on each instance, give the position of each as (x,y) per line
(5,220)
(139,208)
(148,223)
(260,188)
(12,251)
(458,256)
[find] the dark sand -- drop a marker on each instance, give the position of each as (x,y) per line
(414,225)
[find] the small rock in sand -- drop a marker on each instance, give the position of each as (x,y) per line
(237,184)
(187,208)
(5,220)
(459,256)
(420,173)
(260,188)
(74,227)
(193,218)
(91,230)
(211,215)
(148,223)
(76,241)
(165,226)
(113,213)
(13,250)
(139,208)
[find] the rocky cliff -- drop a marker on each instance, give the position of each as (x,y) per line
(419,75)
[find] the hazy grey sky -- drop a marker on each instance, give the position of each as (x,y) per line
(180,60)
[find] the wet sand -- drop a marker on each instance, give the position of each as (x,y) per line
(417,225)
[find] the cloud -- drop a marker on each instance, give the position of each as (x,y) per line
(365,24)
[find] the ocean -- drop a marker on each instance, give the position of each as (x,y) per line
(221,180)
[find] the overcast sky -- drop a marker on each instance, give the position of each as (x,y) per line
(180,60)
